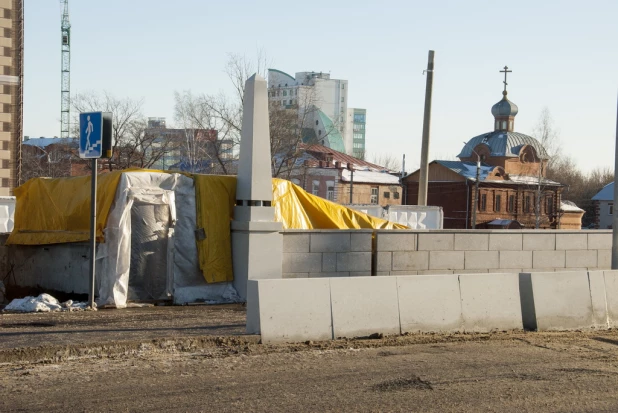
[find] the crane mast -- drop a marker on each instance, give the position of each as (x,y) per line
(65,105)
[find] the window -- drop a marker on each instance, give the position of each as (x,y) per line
(498,203)
(5,182)
(5,164)
(610,208)
(7,51)
(342,99)
(5,145)
(317,123)
(6,127)
(330,190)
(296,181)
(343,86)
(7,70)
(374,195)
(387,194)
(7,33)
(504,124)
(6,108)
(315,189)
(284,102)
(285,93)
(6,89)
(396,195)
(483,203)
(527,203)
(549,205)
(7,13)
(511,206)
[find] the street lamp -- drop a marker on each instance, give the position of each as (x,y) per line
(476,188)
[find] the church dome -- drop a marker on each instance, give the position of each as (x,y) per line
(503,144)
(504,108)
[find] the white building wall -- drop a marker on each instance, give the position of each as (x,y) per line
(605,217)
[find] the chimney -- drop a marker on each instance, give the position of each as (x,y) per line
(321,164)
(337,164)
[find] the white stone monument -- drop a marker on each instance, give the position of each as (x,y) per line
(257,242)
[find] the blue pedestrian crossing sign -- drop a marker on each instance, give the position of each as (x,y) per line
(95,135)
(90,134)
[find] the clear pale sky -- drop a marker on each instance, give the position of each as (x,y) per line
(564,55)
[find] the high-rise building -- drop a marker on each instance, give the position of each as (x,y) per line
(11,93)
(330,121)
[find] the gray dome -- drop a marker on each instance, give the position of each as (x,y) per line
(502,143)
(504,108)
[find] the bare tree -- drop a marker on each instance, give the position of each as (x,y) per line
(53,161)
(549,138)
(132,146)
(387,160)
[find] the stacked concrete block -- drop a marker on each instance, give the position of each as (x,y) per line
(326,253)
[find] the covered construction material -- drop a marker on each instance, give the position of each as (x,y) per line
(161,234)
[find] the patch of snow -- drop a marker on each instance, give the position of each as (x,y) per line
(569,206)
(370,177)
(43,303)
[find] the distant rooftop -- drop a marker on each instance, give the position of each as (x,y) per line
(44,142)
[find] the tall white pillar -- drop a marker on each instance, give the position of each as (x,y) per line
(257,242)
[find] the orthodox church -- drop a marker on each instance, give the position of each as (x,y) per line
(512,191)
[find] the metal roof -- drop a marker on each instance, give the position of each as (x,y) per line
(44,142)
(605,194)
(503,143)
(467,169)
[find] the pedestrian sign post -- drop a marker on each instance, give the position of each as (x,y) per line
(95,141)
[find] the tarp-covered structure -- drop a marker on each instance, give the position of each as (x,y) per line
(162,234)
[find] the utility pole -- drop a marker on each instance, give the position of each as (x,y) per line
(351,183)
(423,180)
(615,221)
(476,189)
(403,175)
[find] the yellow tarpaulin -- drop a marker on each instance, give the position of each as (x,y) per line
(51,211)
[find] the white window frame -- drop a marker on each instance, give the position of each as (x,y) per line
(330,190)
(610,208)
(375,192)
(315,188)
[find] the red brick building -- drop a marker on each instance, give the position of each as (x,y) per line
(512,182)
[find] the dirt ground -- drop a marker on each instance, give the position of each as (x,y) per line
(163,369)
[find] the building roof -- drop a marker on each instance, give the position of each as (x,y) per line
(370,177)
(467,169)
(44,142)
(502,143)
(320,152)
(282,73)
(569,206)
(605,194)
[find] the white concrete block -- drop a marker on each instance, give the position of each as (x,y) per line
(482,260)
(330,241)
(364,305)
(410,260)
(571,241)
(295,242)
(600,241)
(596,280)
(515,259)
(446,260)
(435,242)
(611,295)
(538,241)
(604,259)
(289,310)
(581,259)
(329,262)
(562,301)
(384,261)
(505,242)
(429,303)
(354,261)
(302,262)
(471,242)
(361,241)
(395,241)
(548,259)
(490,302)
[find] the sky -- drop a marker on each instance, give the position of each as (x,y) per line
(564,57)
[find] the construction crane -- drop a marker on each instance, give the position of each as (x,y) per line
(65,105)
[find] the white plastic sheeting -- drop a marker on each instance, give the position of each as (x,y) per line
(416,216)
(43,303)
(165,261)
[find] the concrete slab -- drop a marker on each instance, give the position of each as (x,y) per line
(478,260)
(302,262)
(581,258)
(435,242)
(562,300)
(395,241)
(490,302)
(354,261)
(429,303)
(548,259)
(361,241)
(600,241)
(289,310)
(330,242)
(604,259)
(364,305)
(384,261)
(446,260)
(536,242)
(515,259)
(596,280)
(505,242)
(471,242)
(410,260)
(611,295)
(295,242)
(571,241)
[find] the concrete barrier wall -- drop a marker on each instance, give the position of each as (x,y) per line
(492,251)
(326,253)
(298,310)
(318,309)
